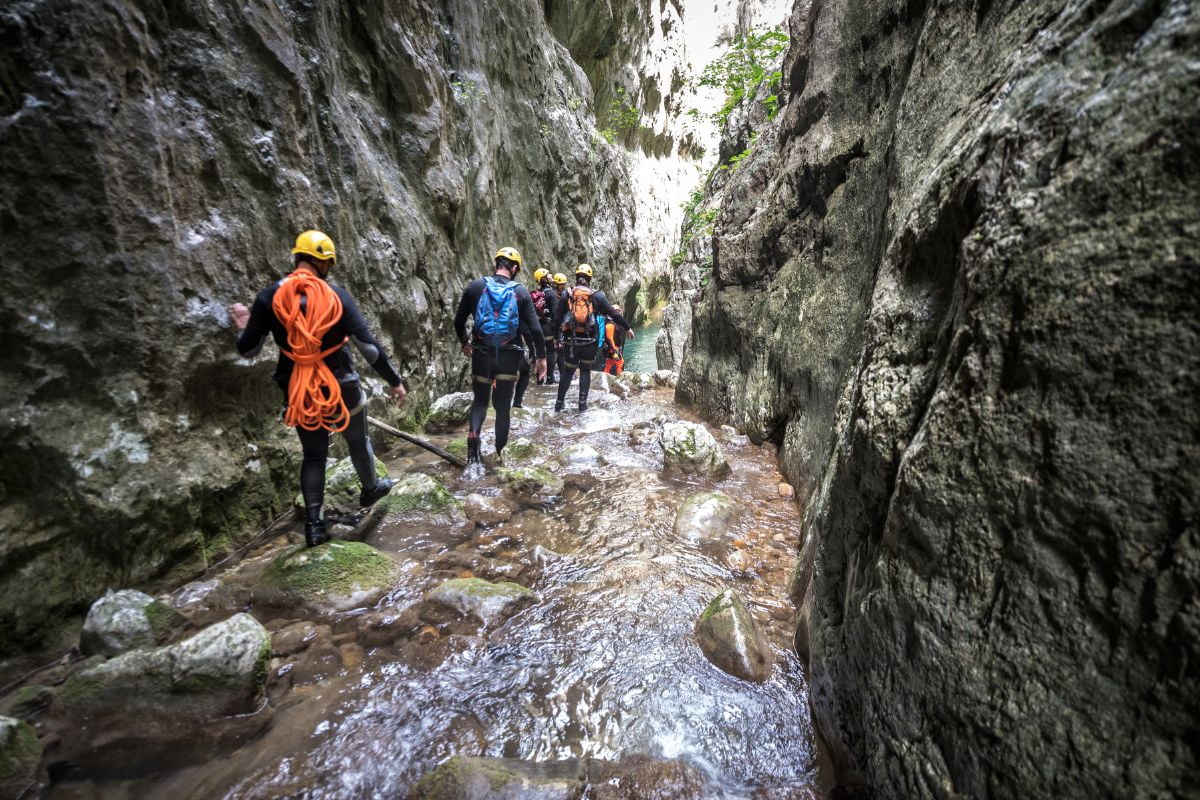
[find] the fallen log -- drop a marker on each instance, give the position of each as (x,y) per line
(417,440)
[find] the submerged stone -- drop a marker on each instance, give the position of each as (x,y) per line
(580,455)
(692,450)
(449,411)
(338,576)
(20,755)
(490,602)
(126,620)
(418,492)
(705,516)
(523,449)
(488,510)
(731,639)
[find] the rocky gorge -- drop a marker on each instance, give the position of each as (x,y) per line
(945,269)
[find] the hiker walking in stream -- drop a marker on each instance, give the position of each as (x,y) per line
(311,322)
(545,302)
(501,307)
(580,324)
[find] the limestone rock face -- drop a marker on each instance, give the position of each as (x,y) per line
(957,280)
(126,620)
(159,161)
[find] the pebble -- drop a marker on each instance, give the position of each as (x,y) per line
(779,537)
(786,490)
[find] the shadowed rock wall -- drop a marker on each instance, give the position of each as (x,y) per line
(159,159)
(959,282)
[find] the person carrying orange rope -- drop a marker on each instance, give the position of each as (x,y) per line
(312,322)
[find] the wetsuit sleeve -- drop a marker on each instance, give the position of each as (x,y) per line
(257,329)
(601,305)
(529,321)
(355,325)
(466,307)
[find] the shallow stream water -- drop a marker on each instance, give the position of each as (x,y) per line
(604,664)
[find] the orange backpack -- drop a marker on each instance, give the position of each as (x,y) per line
(581,317)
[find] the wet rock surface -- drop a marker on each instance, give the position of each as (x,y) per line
(127,620)
(690,449)
(338,576)
(20,757)
(731,639)
(488,510)
(934,286)
(419,493)
(705,516)
(489,602)
(449,412)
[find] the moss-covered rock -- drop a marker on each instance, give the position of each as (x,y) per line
(337,576)
(531,483)
(221,670)
(342,486)
(705,516)
(449,412)
(28,700)
(20,755)
(490,602)
(126,620)
(464,778)
(457,447)
(731,639)
(419,492)
(523,449)
(692,450)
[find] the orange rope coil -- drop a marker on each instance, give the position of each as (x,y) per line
(308,307)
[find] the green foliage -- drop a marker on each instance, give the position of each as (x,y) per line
(735,160)
(574,102)
(621,114)
(608,134)
(741,70)
(696,222)
(468,92)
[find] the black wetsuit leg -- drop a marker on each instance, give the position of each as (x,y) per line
(522,383)
(587,358)
(488,366)
(551,359)
(315,446)
(361,454)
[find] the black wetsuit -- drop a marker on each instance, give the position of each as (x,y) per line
(501,365)
(315,444)
(579,352)
(523,370)
(552,302)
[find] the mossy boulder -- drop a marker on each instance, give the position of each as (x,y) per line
(457,447)
(449,412)
(490,602)
(20,755)
(531,483)
(731,639)
(342,486)
(28,700)
(126,620)
(705,516)
(690,449)
(334,577)
(222,670)
(523,449)
(419,493)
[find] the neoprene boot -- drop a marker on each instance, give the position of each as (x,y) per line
(371,496)
(315,533)
(473,450)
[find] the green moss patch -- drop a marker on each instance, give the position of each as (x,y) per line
(20,754)
(418,492)
(337,567)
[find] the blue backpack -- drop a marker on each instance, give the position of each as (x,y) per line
(496,317)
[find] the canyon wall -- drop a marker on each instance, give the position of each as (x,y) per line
(957,280)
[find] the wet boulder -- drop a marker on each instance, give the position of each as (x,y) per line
(692,450)
(419,493)
(665,377)
(705,516)
(449,412)
(337,576)
(523,449)
(127,620)
(531,484)
(27,701)
(731,639)
(579,456)
(20,755)
(485,510)
(489,602)
(342,486)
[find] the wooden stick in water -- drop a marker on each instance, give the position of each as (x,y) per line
(417,440)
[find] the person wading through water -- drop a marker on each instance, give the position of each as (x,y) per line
(580,334)
(614,346)
(545,302)
(311,322)
(500,307)
(554,351)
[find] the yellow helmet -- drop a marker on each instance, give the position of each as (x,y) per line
(511,254)
(583,269)
(540,273)
(560,279)
(315,244)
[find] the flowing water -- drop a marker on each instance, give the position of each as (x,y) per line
(604,664)
(639,353)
